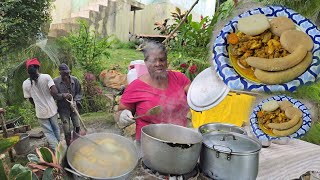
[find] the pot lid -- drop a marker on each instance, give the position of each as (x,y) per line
(231,143)
(206,91)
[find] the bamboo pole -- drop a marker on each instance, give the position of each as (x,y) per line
(182,21)
(5,133)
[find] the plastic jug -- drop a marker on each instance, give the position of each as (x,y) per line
(135,70)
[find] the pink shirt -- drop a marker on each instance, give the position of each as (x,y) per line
(142,97)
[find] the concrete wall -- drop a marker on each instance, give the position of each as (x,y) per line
(117,17)
(61,10)
(152,13)
(204,7)
(119,20)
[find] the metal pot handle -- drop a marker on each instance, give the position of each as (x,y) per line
(75,173)
(224,137)
(222,149)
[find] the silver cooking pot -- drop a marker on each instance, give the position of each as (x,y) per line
(170,149)
(229,156)
(81,142)
(221,127)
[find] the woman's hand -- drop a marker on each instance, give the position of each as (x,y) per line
(126,118)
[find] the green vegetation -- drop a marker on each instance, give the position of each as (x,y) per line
(20,22)
(120,59)
(309,8)
(312,135)
(86,48)
(98,116)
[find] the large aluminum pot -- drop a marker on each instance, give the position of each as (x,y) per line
(229,156)
(169,148)
(82,142)
(221,127)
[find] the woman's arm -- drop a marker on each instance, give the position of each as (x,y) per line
(186,88)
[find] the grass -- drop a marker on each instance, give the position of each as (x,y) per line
(97,116)
(312,135)
(121,58)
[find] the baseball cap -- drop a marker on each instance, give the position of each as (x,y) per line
(33,61)
(64,68)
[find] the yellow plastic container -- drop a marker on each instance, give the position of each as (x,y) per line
(233,109)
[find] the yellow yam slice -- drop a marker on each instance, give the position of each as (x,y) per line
(278,64)
(254,24)
(287,132)
(286,75)
(285,125)
(270,106)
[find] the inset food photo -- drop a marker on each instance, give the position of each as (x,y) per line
(280,116)
(268,49)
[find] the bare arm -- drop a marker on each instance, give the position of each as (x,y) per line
(186,88)
(53,90)
(31,101)
(78,93)
(123,107)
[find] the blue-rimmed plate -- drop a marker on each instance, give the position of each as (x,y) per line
(260,134)
(235,81)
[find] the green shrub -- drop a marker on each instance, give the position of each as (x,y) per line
(24,110)
(86,48)
(191,66)
(93,98)
(312,135)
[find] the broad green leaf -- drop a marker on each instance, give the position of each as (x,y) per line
(189,18)
(7,143)
(46,154)
(2,172)
(33,158)
(16,170)
(61,151)
(27,175)
(47,174)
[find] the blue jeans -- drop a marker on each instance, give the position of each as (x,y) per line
(51,130)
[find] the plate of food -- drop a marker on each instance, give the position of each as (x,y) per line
(280,116)
(268,49)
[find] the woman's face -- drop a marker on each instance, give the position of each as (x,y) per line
(157,64)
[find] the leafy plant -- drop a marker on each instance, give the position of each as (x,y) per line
(178,15)
(86,48)
(15,72)
(25,110)
(162,26)
(189,66)
(192,38)
(44,165)
(312,135)
(5,145)
(93,99)
(20,22)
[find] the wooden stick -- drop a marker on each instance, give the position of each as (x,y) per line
(5,133)
(182,21)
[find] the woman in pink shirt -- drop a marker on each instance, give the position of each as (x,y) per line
(158,87)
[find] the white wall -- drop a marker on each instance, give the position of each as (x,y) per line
(204,7)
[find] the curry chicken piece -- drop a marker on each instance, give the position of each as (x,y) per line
(265,45)
(277,116)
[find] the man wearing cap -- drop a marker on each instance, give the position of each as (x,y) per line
(39,89)
(68,87)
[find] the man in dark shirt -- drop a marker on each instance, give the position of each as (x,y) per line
(68,86)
